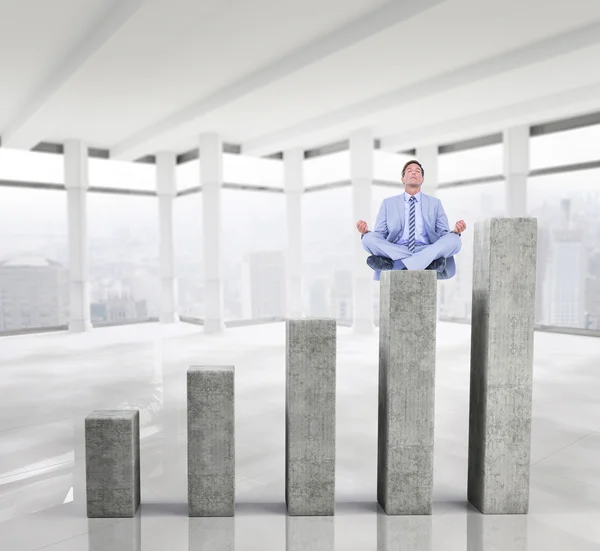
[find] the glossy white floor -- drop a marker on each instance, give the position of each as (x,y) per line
(49,383)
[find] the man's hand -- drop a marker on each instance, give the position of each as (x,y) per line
(362,227)
(460,226)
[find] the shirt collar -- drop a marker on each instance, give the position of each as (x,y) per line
(407,197)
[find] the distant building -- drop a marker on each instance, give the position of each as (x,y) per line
(119,310)
(567,274)
(318,303)
(263,290)
(34,293)
(341,296)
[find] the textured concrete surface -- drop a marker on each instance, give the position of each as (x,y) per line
(211,444)
(407,345)
(502,364)
(310,416)
(112,457)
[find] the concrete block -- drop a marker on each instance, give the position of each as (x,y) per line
(407,340)
(503,314)
(310,416)
(211,445)
(112,458)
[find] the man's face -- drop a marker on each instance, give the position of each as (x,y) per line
(413,175)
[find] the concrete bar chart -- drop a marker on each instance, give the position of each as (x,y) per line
(499,417)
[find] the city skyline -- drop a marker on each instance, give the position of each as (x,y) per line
(123,241)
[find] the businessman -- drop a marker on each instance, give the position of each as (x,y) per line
(411,231)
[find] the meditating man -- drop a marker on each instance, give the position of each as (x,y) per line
(411,231)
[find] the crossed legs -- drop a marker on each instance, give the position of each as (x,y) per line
(445,247)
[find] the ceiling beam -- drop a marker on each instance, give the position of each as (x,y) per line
(537,52)
(185,120)
(20,131)
(539,110)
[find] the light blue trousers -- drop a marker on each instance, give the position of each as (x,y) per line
(445,247)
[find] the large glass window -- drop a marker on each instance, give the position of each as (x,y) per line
(187,175)
(388,166)
(122,174)
(189,265)
(470,163)
(254,241)
(328,230)
(471,204)
(560,148)
(34,274)
(254,171)
(31,166)
(124,258)
(567,207)
(327,168)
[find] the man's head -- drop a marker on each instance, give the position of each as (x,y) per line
(413,174)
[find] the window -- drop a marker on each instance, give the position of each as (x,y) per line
(327,168)
(31,166)
(560,148)
(189,265)
(187,175)
(124,262)
(254,241)
(567,207)
(242,169)
(328,233)
(121,174)
(471,204)
(33,256)
(470,163)
(388,166)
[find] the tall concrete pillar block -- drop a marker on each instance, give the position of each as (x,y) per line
(112,457)
(310,416)
(211,446)
(502,324)
(407,339)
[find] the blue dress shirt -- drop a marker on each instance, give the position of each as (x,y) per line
(421,237)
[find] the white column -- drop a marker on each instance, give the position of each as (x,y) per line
(294,188)
(361,172)
(211,178)
(428,157)
(166,188)
(76,182)
(516,170)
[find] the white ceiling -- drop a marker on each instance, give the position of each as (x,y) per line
(141,76)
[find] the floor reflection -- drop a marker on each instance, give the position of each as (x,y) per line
(496,532)
(123,535)
(310,533)
(212,534)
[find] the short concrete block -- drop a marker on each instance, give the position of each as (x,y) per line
(112,456)
(310,416)
(211,445)
(503,313)
(407,340)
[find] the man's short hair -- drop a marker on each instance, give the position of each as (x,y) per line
(413,162)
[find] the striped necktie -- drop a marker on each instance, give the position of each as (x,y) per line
(411,225)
